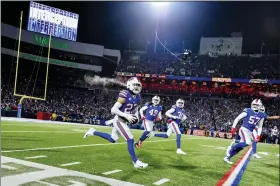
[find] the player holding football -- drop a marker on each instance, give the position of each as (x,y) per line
(126,111)
(153,113)
(175,115)
(251,117)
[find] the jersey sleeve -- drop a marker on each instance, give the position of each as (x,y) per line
(265,116)
(245,110)
(160,108)
(148,104)
(174,107)
(123,94)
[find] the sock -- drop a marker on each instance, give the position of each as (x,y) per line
(144,135)
(254,147)
(236,148)
(104,136)
(178,141)
(131,151)
(161,135)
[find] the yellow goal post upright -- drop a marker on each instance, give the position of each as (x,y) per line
(16,75)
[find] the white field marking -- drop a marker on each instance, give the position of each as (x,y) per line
(47,171)
(79,130)
(207,146)
(8,167)
(69,164)
(278,155)
(35,157)
(221,148)
(38,131)
(111,172)
(264,153)
(91,145)
(46,183)
(162,181)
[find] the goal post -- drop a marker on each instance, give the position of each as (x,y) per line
(16,75)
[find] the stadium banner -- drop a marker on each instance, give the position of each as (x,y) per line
(214,79)
(221,45)
(222,80)
(74,47)
(32,57)
(45,19)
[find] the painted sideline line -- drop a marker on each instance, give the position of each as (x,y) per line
(230,177)
(162,181)
(111,172)
(39,131)
(90,145)
(35,157)
(69,164)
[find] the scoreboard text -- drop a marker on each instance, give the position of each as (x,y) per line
(44,19)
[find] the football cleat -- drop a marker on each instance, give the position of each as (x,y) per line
(227,160)
(179,151)
(138,144)
(228,151)
(89,132)
(256,156)
(140,164)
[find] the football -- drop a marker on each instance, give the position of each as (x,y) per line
(125,120)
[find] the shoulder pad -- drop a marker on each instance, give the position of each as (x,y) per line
(123,94)
(245,110)
(148,104)
(174,106)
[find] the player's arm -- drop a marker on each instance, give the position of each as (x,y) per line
(169,113)
(116,109)
(260,129)
(142,111)
(159,116)
(272,117)
(184,118)
(137,113)
(236,120)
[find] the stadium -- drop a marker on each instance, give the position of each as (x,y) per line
(140,93)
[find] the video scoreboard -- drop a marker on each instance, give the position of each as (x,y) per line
(45,19)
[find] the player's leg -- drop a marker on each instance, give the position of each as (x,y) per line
(167,134)
(175,129)
(245,140)
(148,126)
(125,132)
(254,145)
(93,132)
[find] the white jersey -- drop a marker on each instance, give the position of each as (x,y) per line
(274,132)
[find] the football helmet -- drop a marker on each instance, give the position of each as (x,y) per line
(262,109)
(156,100)
(134,85)
(256,105)
(180,103)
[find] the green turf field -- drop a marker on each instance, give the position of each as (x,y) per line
(203,165)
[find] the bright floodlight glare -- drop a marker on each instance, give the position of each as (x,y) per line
(160,4)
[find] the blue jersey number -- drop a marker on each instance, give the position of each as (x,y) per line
(253,120)
(129,108)
(153,112)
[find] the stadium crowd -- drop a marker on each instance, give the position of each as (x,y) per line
(231,66)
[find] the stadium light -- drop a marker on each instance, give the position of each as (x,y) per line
(159,7)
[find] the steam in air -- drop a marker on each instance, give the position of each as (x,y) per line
(97,80)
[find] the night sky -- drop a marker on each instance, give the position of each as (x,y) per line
(113,24)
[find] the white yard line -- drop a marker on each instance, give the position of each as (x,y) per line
(8,167)
(264,153)
(35,157)
(90,145)
(69,164)
(111,172)
(162,181)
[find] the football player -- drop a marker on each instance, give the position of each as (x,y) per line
(126,111)
(175,115)
(255,132)
(251,117)
(153,113)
